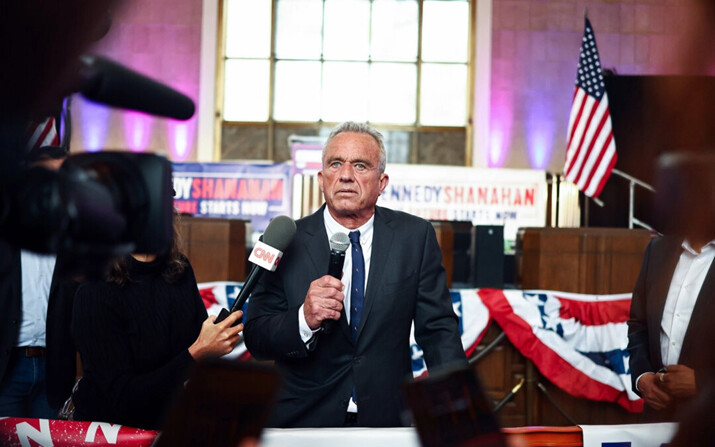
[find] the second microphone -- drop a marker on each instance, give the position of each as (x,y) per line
(339,243)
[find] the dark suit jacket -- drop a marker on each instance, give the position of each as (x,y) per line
(406,281)
(659,262)
(61,358)
(10,302)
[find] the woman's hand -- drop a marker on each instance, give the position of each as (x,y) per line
(217,339)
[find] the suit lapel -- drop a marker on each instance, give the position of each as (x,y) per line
(315,244)
(663,276)
(382,238)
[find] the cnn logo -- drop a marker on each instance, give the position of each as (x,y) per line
(264,255)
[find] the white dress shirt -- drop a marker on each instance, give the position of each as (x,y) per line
(685,286)
(332,227)
(37,272)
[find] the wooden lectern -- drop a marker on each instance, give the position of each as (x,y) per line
(579,260)
(445,238)
(215,247)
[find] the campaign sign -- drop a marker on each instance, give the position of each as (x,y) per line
(250,191)
(510,197)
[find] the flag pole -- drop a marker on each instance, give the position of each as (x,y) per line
(596,200)
(585,210)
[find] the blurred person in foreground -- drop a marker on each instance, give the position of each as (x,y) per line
(343,367)
(139,332)
(674,297)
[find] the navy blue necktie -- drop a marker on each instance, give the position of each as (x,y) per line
(357,294)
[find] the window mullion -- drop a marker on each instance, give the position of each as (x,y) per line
(322,65)
(414,147)
(272,83)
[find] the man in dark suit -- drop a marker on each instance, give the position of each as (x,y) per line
(338,371)
(56,356)
(674,298)
(37,355)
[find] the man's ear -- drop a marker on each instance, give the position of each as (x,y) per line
(320,180)
(384,180)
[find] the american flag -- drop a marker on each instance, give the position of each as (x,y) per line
(42,134)
(591,149)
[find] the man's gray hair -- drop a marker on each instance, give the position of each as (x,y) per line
(351,126)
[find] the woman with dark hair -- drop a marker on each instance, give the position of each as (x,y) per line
(138,333)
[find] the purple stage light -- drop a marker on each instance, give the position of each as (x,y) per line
(94,121)
(137,130)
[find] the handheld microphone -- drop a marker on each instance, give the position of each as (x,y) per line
(266,255)
(339,243)
(108,82)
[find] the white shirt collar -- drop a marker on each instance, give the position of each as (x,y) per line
(332,226)
(687,247)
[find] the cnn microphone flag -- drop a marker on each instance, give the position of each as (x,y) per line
(263,255)
(591,149)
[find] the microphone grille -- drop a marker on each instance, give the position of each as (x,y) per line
(279,232)
(339,242)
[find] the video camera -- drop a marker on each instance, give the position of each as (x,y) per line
(98,206)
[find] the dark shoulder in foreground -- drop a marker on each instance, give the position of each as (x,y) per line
(666,242)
